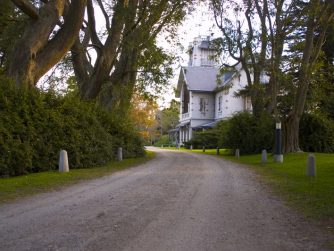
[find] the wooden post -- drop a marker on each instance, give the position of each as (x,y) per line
(63,162)
(217,153)
(203,149)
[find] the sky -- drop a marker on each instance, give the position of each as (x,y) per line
(199,23)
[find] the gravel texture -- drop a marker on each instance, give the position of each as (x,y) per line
(177,201)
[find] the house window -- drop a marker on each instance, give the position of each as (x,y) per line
(248,103)
(203,103)
(220,99)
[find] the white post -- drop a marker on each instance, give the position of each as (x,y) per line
(311,166)
(264,156)
(237,153)
(63,162)
(119,154)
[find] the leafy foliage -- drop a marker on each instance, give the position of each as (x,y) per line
(243,131)
(143,113)
(316,133)
(35,126)
(207,139)
(169,117)
(246,132)
(163,141)
(11,28)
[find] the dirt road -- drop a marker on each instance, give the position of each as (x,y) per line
(178,201)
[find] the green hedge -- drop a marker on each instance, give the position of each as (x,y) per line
(249,134)
(35,126)
(316,134)
(207,139)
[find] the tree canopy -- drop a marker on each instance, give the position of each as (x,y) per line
(282,39)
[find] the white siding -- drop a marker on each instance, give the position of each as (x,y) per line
(231,104)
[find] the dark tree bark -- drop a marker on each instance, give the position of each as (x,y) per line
(36,53)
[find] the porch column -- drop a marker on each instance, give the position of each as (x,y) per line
(190,133)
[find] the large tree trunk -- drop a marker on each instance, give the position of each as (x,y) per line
(122,81)
(291,134)
(318,18)
(35,53)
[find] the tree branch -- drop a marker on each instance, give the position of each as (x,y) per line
(27,8)
(91,24)
(62,42)
(105,14)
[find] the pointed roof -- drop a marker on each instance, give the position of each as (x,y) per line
(201,79)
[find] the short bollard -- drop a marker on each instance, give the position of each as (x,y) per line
(237,153)
(191,147)
(162,146)
(264,156)
(203,149)
(217,152)
(63,162)
(119,154)
(311,166)
(278,158)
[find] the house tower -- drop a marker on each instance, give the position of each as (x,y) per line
(201,52)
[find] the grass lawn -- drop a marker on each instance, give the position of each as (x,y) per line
(314,196)
(22,186)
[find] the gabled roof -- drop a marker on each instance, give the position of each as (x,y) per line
(201,79)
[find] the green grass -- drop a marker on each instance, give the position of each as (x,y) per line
(313,196)
(23,186)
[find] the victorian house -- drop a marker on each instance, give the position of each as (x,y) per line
(206,96)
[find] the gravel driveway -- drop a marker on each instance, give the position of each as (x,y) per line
(177,201)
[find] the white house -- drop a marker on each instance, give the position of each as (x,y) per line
(206,98)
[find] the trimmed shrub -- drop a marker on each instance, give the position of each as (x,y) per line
(208,138)
(247,133)
(35,126)
(163,141)
(316,134)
